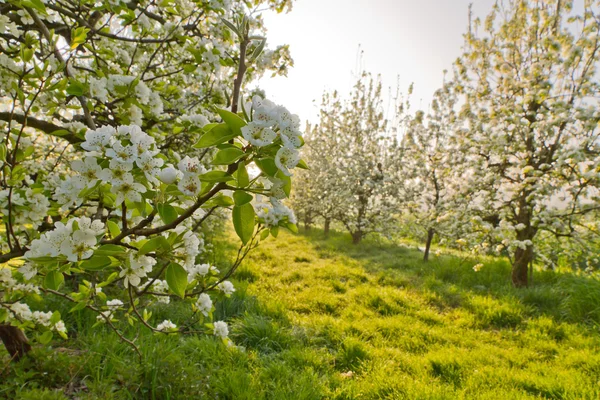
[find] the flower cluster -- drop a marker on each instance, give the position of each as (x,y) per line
(22,313)
(199,271)
(272,212)
(75,240)
(122,157)
(190,168)
(136,268)
(270,121)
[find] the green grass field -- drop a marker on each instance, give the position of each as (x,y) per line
(326,319)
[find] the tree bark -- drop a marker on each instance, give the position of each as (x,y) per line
(357,237)
(520,267)
(15,341)
(307,226)
(430,233)
(523,257)
(326,227)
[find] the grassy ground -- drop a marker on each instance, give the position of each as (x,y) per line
(326,319)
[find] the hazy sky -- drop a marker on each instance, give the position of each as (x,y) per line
(413,39)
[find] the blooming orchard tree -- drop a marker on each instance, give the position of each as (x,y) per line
(530,81)
(319,197)
(428,167)
(115,149)
(352,172)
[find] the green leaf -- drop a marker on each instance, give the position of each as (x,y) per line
(79,306)
(75,88)
(158,242)
(220,200)
(220,133)
(37,5)
(243,221)
(292,227)
(287,182)
(208,127)
(55,317)
(78,36)
(26,54)
(113,228)
(232,120)
(96,263)
(240,197)
(231,26)
(264,234)
(258,50)
(267,165)
(3,314)
(167,213)
(53,280)
(241,175)
(110,250)
(177,279)
(45,337)
(302,164)
(275,231)
(228,156)
(216,176)
(111,278)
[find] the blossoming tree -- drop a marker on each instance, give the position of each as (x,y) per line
(353,169)
(124,127)
(429,167)
(531,91)
(319,196)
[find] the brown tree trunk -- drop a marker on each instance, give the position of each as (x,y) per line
(523,257)
(430,234)
(307,222)
(357,237)
(326,227)
(15,341)
(520,267)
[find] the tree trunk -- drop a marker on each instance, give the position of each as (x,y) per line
(523,257)
(520,267)
(326,227)
(430,234)
(15,341)
(356,237)
(307,222)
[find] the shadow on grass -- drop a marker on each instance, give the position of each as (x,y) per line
(448,281)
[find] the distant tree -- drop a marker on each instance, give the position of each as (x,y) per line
(428,165)
(531,91)
(317,197)
(350,164)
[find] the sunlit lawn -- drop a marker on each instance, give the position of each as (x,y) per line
(326,319)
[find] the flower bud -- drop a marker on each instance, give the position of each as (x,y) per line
(168,175)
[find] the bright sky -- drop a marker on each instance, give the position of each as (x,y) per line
(413,39)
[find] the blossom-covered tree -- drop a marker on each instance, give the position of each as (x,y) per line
(351,155)
(318,197)
(123,129)
(530,84)
(429,166)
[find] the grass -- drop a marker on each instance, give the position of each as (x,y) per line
(326,319)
